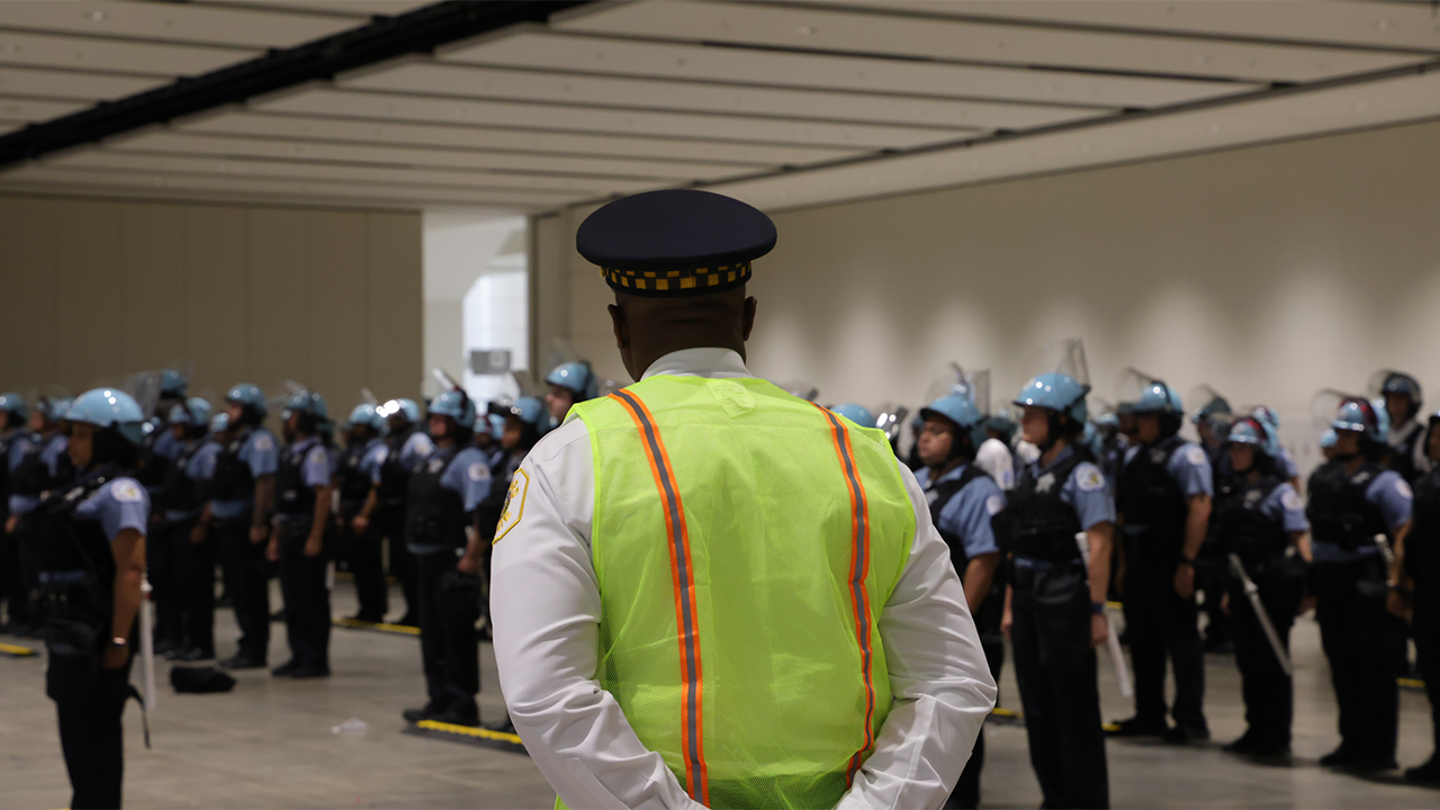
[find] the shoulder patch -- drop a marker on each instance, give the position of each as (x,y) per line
(1089,478)
(1292,501)
(317,456)
(1196,456)
(478,472)
(126,491)
(994,504)
(423,446)
(263,442)
(514,505)
(1402,488)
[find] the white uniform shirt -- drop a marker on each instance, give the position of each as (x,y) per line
(546,608)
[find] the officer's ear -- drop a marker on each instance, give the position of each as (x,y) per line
(747,323)
(621,327)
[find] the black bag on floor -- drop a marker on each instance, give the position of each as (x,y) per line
(200,680)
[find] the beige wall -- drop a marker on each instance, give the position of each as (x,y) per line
(1268,272)
(96,289)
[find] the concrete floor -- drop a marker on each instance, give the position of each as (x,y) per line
(269,743)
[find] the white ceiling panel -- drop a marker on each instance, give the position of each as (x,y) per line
(54,175)
(232,122)
(163,142)
(31,109)
(354,8)
(171,22)
(1287,116)
(421,77)
(543,50)
(591,119)
(82,53)
(862,32)
(448,176)
(72,84)
(1387,25)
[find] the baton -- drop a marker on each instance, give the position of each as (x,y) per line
(147,642)
(1112,638)
(1383,543)
(1252,592)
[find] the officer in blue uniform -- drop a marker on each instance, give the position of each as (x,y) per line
(364,453)
(242,498)
(14,443)
(1404,402)
(406,443)
(1164,500)
(43,467)
(92,564)
(1284,462)
(525,422)
(302,513)
(1422,578)
(195,561)
(965,503)
(1260,518)
(1212,423)
(1055,605)
(570,383)
(1353,501)
(178,501)
(442,532)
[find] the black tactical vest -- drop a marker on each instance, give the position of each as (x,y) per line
(1040,525)
(1422,543)
(292,495)
(939,495)
(32,477)
(1339,512)
(1152,502)
(394,477)
(354,483)
(5,445)
(1242,527)
(233,480)
(435,516)
(182,494)
(153,471)
(1402,455)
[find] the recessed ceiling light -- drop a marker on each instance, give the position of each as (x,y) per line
(97,16)
(807,30)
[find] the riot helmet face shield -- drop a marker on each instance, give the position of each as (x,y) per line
(1399,392)
(1361,425)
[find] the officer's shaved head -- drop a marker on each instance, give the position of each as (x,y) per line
(648,328)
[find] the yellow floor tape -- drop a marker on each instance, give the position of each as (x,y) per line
(382,627)
(16,650)
(1411,683)
(473,735)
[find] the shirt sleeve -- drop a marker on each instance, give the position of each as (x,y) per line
(468,475)
(315,472)
(939,677)
(1086,490)
(262,454)
(381,456)
(54,452)
(1190,467)
(1393,496)
(202,465)
(968,514)
(123,505)
(416,447)
(1286,505)
(1286,465)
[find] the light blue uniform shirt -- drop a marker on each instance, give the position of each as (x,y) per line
(1285,506)
(50,452)
(118,505)
(1389,492)
(18,449)
(967,514)
(418,446)
(202,464)
(1188,464)
(469,475)
(261,454)
(372,458)
(315,471)
(1085,491)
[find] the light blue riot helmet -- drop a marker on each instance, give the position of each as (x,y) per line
(1328,439)
(58,409)
(220,422)
(405,409)
(368,415)
(172,384)
(1158,398)
(1256,434)
(959,409)
(1362,416)
(456,405)
(109,408)
(858,414)
(252,399)
(497,425)
(1003,425)
(1398,382)
(577,377)
(531,411)
(14,405)
(1059,394)
(1267,416)
(194,412)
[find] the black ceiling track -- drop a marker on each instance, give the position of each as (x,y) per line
(418,31)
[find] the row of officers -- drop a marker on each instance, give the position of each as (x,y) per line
(98,496)
(1048,523)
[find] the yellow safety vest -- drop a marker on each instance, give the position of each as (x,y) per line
(745,542)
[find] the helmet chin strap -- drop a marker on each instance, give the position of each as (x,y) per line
(1346,457)
(1052,431)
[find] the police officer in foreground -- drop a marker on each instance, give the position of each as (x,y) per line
(43,467)
(1403,402)
(14,443)
(92,565)
(241,503)
(1356,507)
(570,383)
(180,505)
(1422,577)
(302,513)
(965,502)
(446,488)
(384,510)
(1055,607)
(359,464)
(652,623)
(1164,499)
(1260,519)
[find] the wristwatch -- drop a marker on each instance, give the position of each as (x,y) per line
(119,642)
(1190,561)
(1098,608)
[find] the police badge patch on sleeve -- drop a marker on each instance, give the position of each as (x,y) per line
(1195,456)
(1090,479)
(994,504)
(263,443)
(126,491)
(514,505)
(1292,501)
(317,456)
(478,472)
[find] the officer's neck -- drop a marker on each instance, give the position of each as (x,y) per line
(944,468)
(444,441)
(1354,463)
(1048,457)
